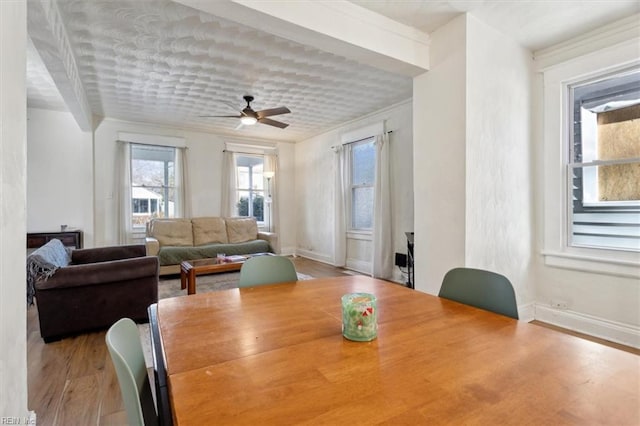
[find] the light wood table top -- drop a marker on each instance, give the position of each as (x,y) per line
(275,355)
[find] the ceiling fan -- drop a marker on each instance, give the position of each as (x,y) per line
(250,117)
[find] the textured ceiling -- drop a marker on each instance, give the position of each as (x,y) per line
(162,62)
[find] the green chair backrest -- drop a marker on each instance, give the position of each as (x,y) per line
(125,348)
(261,270)
(482,289)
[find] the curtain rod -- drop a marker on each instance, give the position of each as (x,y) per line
(359,140)
(247,153)
(152,144)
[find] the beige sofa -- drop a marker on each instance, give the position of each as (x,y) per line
(176,240)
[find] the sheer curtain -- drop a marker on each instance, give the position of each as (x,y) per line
(229,185)
(382,233)
(342,165)
(183,195)
(123,192)
(271,165)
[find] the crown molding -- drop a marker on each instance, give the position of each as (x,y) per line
(622,31)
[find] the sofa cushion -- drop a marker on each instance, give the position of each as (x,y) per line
(241,229)
(209,230)
(175,255)
(172,232)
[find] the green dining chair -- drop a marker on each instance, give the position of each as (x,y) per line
(482,289)
(261,270)
(125,348)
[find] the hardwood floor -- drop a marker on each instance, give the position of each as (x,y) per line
(73,382)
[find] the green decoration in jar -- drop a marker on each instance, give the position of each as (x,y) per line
(359,317)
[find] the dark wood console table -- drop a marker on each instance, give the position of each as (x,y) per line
(70,238)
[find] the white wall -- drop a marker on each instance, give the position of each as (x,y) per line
(315,190)
(479,191)
(287,211)
(204,159)
(499,186)
(472,161)
(601,304)
(13,195)
(315,195)
(439,126)
(204,156)
(60,173)
(71,175)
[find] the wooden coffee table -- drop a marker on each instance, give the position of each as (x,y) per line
(189,269)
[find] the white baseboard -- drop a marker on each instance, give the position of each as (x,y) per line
(314,256)
(359,266)
(609,330)
(527,312)
(287,251)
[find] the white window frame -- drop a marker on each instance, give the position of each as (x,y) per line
(166,188)
(264,192)
(589,161)
(355,185)
(352,136)
(557,251)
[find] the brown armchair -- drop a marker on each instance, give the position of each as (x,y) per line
(98,287)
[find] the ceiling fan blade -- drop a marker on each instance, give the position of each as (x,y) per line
(230,105)
(273,111)
(220,116)
(271,122)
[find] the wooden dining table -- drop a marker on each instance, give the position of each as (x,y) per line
(275,354)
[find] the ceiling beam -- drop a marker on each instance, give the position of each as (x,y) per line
(49,36)
(337,26)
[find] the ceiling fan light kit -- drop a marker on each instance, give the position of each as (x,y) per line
(248,120)
(250,117)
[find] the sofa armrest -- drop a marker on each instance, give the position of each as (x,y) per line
(152,246)
(270,237)
(101,273)
(106,254)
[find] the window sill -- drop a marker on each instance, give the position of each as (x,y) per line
(600,265)
(359,235)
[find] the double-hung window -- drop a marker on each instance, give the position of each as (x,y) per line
(153,183)
(250,186)
(604,165)
(591,163)
(363,172)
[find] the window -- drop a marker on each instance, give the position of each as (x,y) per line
(153,182)
(604,161)
(566,180)
(363,171)
(250,188)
